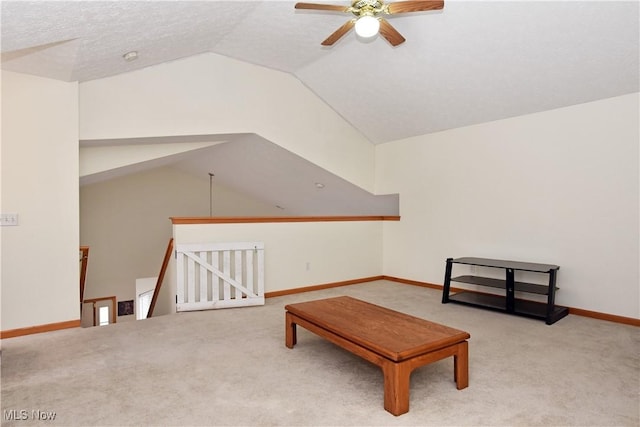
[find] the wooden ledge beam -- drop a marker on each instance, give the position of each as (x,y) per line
(252,219)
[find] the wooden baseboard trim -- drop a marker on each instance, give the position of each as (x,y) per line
(11,333)
(412,282)
(572,310)
(604,316)
(320,287)
(421,284)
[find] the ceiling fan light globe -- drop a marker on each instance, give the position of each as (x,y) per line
(367,26)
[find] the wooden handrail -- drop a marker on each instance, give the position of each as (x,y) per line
(251,219)
(163,270)
(84,259)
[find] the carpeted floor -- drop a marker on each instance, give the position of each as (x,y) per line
(231,367)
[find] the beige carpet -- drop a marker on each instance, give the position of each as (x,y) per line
(231,367)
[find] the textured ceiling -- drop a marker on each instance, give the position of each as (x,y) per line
(472,62)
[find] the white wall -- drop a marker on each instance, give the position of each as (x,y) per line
(213,94)
(40,256)
(557,187)
(125,222)
(334,251)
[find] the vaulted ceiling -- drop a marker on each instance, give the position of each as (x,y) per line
(472,62)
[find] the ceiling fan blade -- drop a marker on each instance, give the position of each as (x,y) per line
(390,33)
(317,6)
(415,6)
(339,33)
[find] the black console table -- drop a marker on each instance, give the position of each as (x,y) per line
(549,312)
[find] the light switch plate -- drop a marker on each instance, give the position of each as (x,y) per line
(8,219)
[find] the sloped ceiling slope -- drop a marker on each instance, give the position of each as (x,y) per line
(253,166)
(263,170)
(472,62)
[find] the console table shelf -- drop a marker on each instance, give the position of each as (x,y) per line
(508,303)
(531,288)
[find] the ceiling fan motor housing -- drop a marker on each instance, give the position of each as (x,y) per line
(367,7)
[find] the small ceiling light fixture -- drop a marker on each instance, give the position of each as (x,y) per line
(130,56)
(319,185)
(367,25)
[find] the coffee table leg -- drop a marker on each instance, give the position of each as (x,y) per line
(396,387)
(290,330)
(461,365)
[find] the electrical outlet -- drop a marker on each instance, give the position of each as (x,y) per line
(8,219)
(474,270)
(308,266)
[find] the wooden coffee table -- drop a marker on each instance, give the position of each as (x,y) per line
(396,342)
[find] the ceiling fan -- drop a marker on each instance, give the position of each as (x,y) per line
(367,21)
